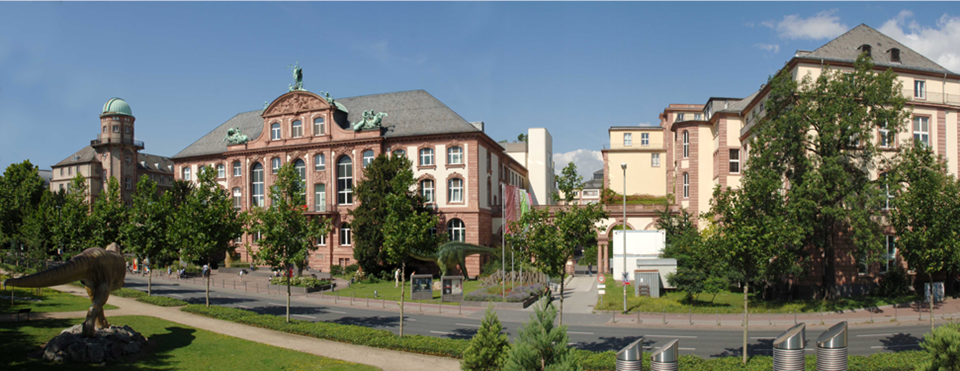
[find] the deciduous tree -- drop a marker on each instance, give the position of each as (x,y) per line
(108,216)
(147,227)
(72,231)
(21,189)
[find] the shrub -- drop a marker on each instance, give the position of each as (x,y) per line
(336,270)
(162,301)
(515,295)
(943,349)
(488,348)
(540,345)
(124,292)
(351,270)
(893,284)
(301,281)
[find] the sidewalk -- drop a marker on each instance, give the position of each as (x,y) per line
(388,360)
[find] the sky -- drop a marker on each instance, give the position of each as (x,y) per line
(574,68)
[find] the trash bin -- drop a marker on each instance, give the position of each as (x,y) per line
(832,348)
(630,357)
(665,358)
(788,349)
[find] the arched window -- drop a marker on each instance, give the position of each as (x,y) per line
(276,165)
(236,168)
(345,234)
(275,131)
(186,173)
(344,181)
(221,171)
(686,185)
(256,183)
(301,168)
(455,190)
(456,230)
(399,153)
(367,157)
(455,156)
(426,157)
(686,144)
(426,190)
(319,162)
(297,129)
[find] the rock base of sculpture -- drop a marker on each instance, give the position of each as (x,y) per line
(110,344)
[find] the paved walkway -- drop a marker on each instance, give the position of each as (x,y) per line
(388,360)
(581,295)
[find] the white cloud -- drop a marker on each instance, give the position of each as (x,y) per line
(823,25)
(775,48)
(587,162)
(940,43)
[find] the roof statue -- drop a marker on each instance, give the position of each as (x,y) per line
(101,271)
(369,121)
(234,136)
(297,77)
(334,103)
(452,254)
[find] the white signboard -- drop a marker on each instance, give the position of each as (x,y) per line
(640,245)
(601,292)
(601,286)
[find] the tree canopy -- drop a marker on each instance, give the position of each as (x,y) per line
(108,216)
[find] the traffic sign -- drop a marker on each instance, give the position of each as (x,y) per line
(601,278)
(601,292)
(601,286)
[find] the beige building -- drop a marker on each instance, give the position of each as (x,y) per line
(642,150)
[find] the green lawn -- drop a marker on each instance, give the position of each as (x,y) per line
(386,289)
(730,302)
(176,347)
(50,301)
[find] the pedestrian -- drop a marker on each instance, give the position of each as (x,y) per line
(241,274)
(168,271)
(396,277)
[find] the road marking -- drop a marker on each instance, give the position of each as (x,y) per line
(762,337)
(179,296)
(671,336)
(579,333)
(871,335)
(441,333)
(687,348)
(408,319)
(305,316)
(466,324)
(894,346)
(279,305)
(244,307)
(336,311)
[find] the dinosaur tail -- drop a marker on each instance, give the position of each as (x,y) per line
(73,270)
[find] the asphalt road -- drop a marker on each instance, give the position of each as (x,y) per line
(702,341)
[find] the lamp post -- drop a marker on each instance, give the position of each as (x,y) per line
(624,167)
(60,249)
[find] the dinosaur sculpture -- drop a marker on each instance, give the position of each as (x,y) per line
(452,254)
(101,271)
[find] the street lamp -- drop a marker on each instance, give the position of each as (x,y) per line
(624,167)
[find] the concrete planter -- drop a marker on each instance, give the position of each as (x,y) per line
(501,305)
(299,290)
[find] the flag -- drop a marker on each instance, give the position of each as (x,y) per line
(516,203)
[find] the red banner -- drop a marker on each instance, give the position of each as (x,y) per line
(511,204)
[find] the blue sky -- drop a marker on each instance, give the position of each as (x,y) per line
(574,68)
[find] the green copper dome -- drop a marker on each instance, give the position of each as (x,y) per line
(116,106)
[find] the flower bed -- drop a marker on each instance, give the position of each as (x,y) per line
(302,281)
(517,294)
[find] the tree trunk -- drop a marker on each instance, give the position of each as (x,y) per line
(746,318)
(563,276)
(403,284)
(150,283)
(930,275)
(829,273)
(288,294)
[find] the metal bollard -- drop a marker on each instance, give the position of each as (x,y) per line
(788,349)
(665,358)
(832,349)
(630,358)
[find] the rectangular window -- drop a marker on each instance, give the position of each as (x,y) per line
(319,198)
(655,160)
(679,117)
(221,171)
(426,157)
(236,168)
(919,89)
(644,139)
(456,190)
(322,241)
(126,129)
(116,128)
(319,162)
(319,126)
(297,129)
(862,267)
(455,156)
(886,141)
(697,116)
(734,161)
(236,198)
(627,139)
(891,256)
(921,130)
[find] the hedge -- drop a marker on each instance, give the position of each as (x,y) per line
(591,361)
(144,298)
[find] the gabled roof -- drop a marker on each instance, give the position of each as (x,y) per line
(85,155)
(146,161)
(409,113)
(846,48)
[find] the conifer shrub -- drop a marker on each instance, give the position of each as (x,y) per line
(943,349)
(541,345)
(488,348)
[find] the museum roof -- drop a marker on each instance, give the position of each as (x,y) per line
(846,48)
(409,113)
(83,156)
(145,161)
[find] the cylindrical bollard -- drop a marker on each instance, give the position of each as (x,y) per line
(630,358)
(832,349)
(665,358)
(788,349)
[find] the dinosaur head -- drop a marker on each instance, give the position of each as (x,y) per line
(113,247)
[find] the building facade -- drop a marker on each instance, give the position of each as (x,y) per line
(115,153)
(459,168)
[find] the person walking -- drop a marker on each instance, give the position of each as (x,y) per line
(396,277)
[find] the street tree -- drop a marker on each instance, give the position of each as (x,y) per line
(206,224)
(757,235)
(925,211)
(72,231)
(287,234)
(818,135)
(108,216)
(408,228)
(21,189)
(145,232)
(36,232)
(368,217)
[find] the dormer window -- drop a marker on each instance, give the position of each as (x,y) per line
(865,48)
(895,55)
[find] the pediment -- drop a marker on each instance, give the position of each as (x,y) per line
(294,103)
